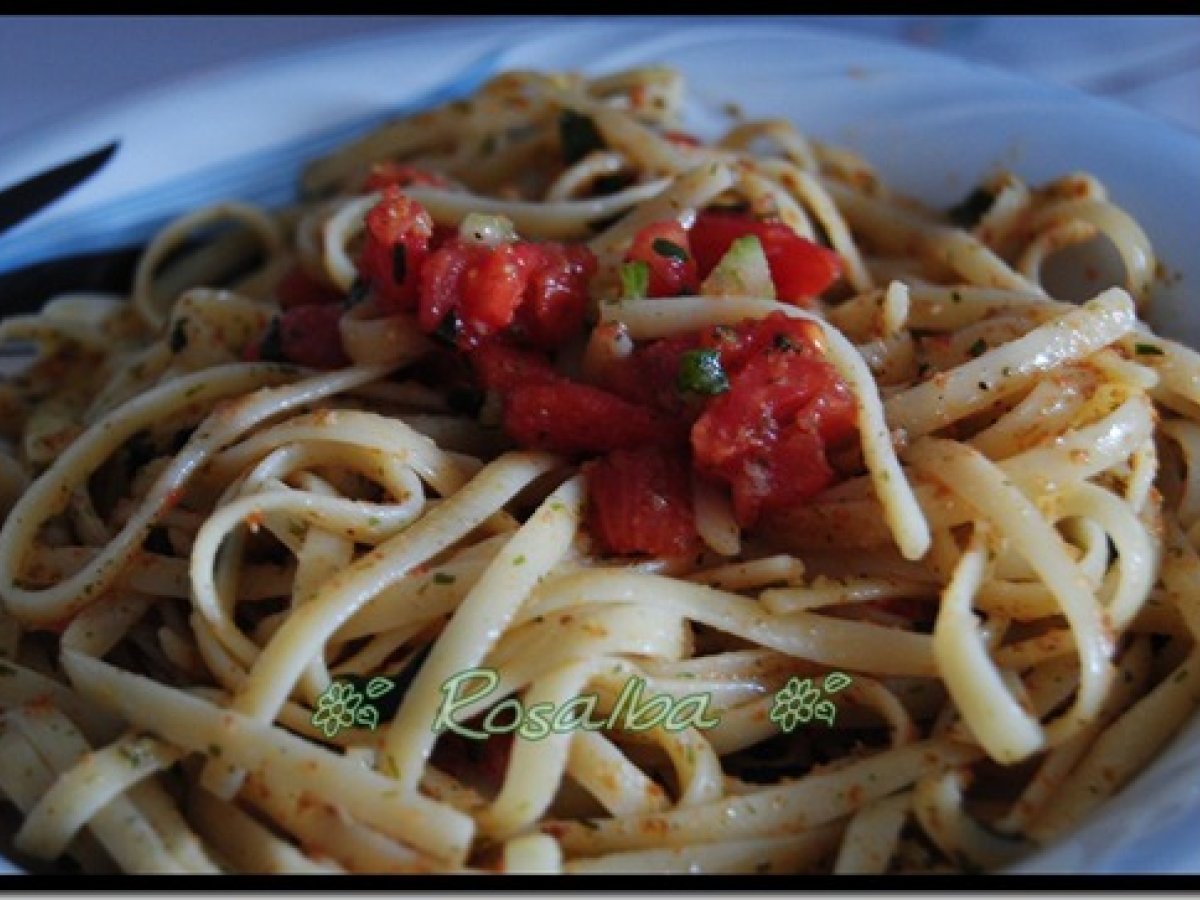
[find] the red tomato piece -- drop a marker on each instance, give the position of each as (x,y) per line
(388,173)
(739,344)
(555,303)
(664,248)
(538,289)
(649,376)
(801,269)
(478,763)
(493,287)
(766,436)
(640,501)
(572,418)
(398,232)
(298,288)
(309,336)
(504,368)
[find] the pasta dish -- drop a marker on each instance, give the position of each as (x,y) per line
(551,490)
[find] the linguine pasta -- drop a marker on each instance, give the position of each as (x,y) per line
(201,541)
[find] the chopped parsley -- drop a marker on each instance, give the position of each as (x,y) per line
(578,136)
(399,262)
(443,578)
(519,560)
(669,249)
(359,291)
(635,280)
(179,338)
(968,211)
(1148,350)
(700,372)
(448,329)
(270,349)
(978,348)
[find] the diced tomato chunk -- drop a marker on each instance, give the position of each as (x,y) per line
(298,288)
(539,289)
(649,375)
(388,173)
(572,418)
(664,248)
(555,303)
(503,367)
(800,269)
(640,501)
(493,287)
(310,336)
(476,763)
(767,436)
(398,233)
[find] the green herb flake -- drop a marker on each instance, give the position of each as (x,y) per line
(635,280)
(443,578)
(1148,350)
(359,291)
(133,755)
(448,329)
(700,372)
(578,136)
(399,262)
(519,560)
(968,211)
(373,521)
(978,348)
(669,250)
(955,297)
(270,348)
(179,338)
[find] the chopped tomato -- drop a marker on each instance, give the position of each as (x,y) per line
(493,286)
(298,288)
(640,501)
(398,232)
(540,289)
(800,269)
(739,344)
(504,368)
(476,763)
(555,303)
(649,375)
(572,418)
(682,139)
(664,248)
(767,435)
(384,174)
(305,335)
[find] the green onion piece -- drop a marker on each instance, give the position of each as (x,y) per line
(635,280)
(1148,350)
(669,249)
(700,372)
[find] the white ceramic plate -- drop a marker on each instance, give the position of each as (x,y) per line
(932,125)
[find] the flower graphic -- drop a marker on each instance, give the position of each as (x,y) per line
(801,701)
(337,708)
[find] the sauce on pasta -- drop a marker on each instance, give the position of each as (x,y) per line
(539,386)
